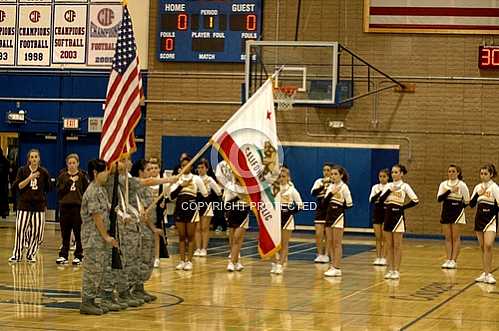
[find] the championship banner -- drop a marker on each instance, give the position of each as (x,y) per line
(70,34)
(34,43)
(104,23)
(8,14)
(248,143)
(432,16)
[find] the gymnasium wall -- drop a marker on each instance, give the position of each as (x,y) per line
(447,120)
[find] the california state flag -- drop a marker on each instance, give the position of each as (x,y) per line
(248,143)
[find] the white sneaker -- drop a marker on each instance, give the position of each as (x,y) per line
(445,265)
(278,269)
(376,261)
(489,279)
(395,275)
(188,266)
(452,264)
(203,252)
(230,267)
(482,278)
(13,259)
(324,258)
(197,252)
(180,266)
(389,274)
(156,263)
(318,259)
(272,270)
(382,261)
(76,261)
(239,266)
(61,260)
(333,272)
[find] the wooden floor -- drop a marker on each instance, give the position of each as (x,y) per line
(43,296)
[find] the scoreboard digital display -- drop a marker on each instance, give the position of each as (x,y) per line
(207,30)
(488,57)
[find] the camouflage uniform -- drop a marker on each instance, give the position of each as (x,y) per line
(123,280)
(147,236)
(97,252)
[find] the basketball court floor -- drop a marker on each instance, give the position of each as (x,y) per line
(44,296)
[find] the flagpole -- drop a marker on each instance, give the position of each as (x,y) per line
(182,171)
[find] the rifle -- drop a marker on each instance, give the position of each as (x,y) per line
(113,226)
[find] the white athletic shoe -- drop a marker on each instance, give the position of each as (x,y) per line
(318,259)
(188,266)
(13,259)
(61,260)
(333,272)
(230,267)
(389,274)
(197,252)
(445,265)
(489,279)
(272,270)
(203,252)
(76,261)
(482,278)
(31,260)
(156,263)
(452,264)
(278,269)
(324,258)
(180,266)
(395,275)
(376,261)
(239,266)
(382,261)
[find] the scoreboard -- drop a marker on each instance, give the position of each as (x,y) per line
(207,30)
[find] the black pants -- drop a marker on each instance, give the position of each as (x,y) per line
(70,221)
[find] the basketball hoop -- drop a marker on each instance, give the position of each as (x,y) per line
(284,96)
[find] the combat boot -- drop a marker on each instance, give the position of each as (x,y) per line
(137,297)
(145,295)
(138,293)
(131,302)
(108,302)
(122,302)
(88,307)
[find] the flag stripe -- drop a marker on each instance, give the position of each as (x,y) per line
(434,26)
(435,11)
(114,99)
(122,108)
(226,146)
(435,16)
(119,112)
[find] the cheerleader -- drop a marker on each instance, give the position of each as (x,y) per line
(486,197)
(337,199)
(290,202)
(237,218)
(319,190)
(454,195)
(206,210)
(186,213)
(393,198)
(379,215)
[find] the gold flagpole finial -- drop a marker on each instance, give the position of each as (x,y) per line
(124,2)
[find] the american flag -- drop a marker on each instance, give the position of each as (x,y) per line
(124,92)
(432,16)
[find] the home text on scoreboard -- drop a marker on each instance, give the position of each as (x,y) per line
(207,30)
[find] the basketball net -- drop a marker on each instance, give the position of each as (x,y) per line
(284,96)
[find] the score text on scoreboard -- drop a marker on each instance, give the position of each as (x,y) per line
(488,57)
(207,30)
